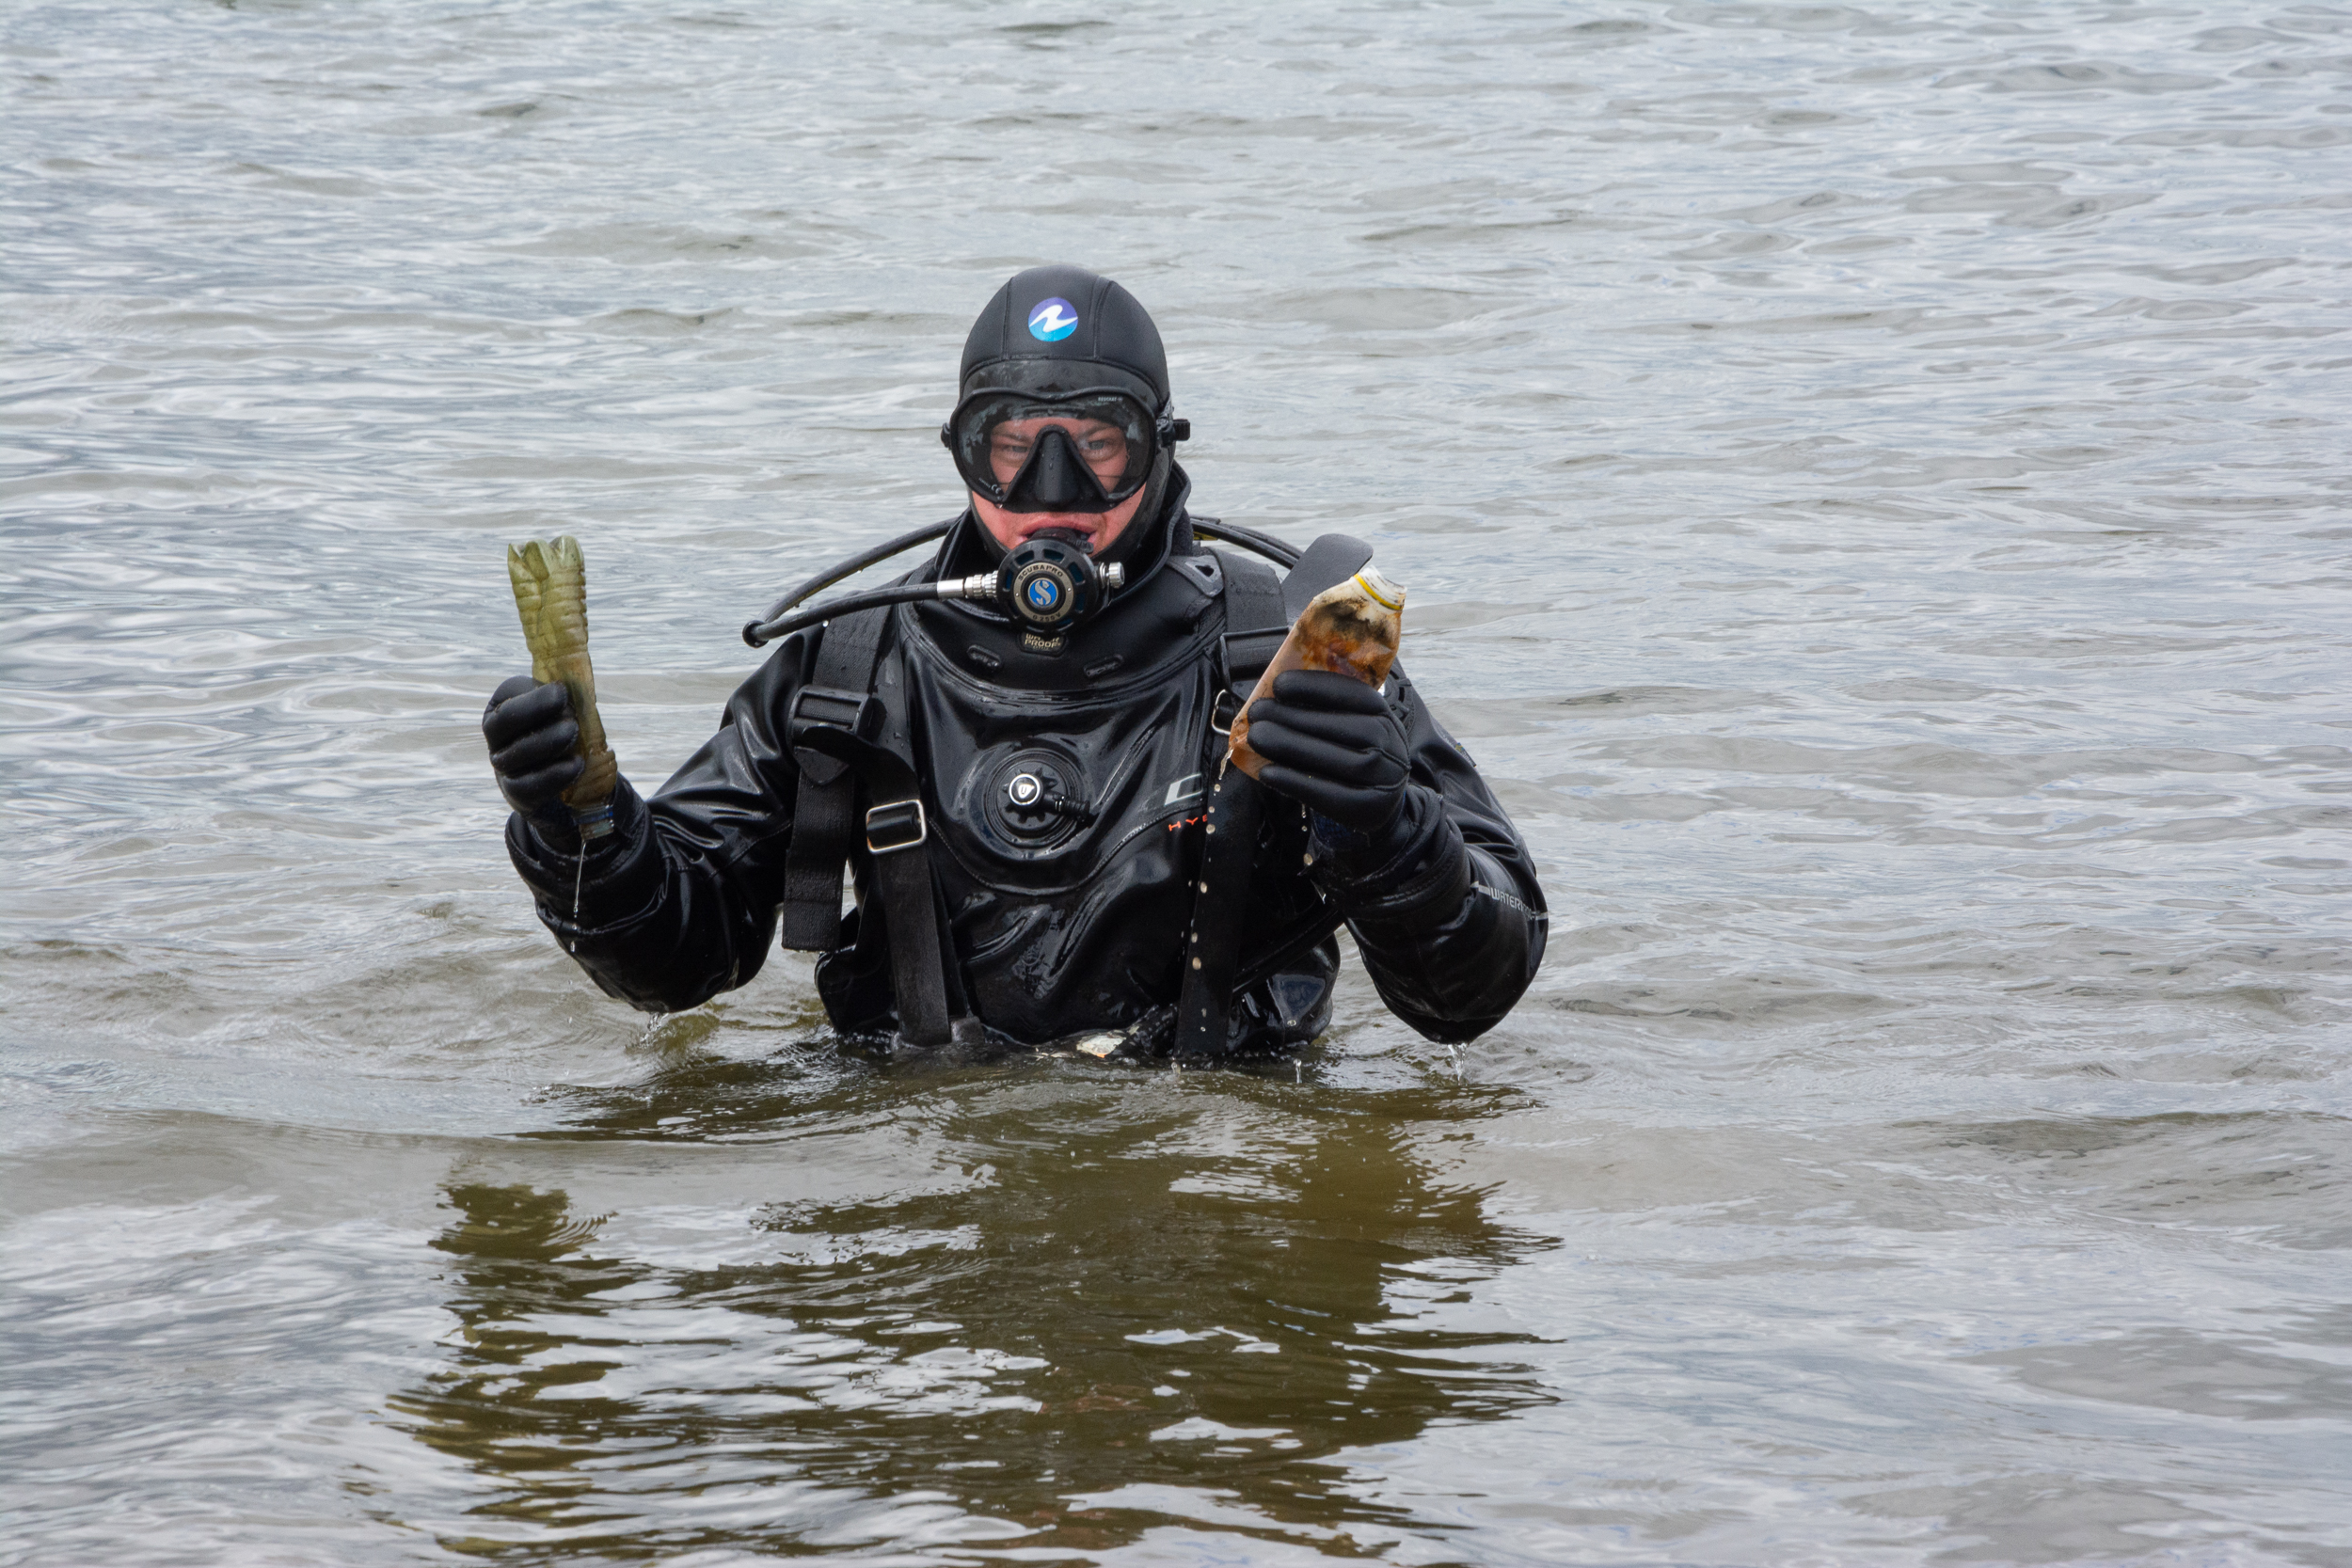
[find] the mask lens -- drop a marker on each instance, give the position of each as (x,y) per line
(994,435)
(1101,447)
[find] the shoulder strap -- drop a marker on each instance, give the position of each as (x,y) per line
(1254,623)
(925,984)
(1259,609)
(1228,853)
(840,696)
(841,737)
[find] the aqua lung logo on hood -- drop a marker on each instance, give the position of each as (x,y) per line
(1052,321)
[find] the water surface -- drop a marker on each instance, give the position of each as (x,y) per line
(1871,482)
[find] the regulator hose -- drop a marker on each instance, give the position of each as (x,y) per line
(776,623)
(758,634)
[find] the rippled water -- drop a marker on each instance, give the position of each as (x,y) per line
(1872,484)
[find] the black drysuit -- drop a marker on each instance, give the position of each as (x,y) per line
(1071,915)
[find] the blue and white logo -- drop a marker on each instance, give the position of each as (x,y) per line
(1044,594)
(1052,321)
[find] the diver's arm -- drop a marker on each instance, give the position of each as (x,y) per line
(1443,902)
(679,903)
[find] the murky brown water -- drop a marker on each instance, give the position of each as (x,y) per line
(1872,485)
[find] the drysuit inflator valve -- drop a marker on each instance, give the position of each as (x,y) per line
(1048,584)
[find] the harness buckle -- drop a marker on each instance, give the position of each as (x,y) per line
(831,709)
(896,825)
(1228,707)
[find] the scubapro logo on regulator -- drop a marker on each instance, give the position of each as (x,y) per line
(1052,321)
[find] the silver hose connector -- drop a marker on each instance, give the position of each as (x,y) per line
(987,584)
(980,587)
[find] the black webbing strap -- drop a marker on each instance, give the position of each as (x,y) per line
(927,981)
(1228,855)
(824,811)
(1254,623)
(1259,609)
(897,831)
(1254,629)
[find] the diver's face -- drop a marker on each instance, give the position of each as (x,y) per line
(1101,447)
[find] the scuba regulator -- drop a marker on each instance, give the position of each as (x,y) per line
(1048,584)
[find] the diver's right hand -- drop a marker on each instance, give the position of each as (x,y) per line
(533,746)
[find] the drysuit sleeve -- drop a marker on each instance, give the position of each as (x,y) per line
(1444,906)
(679,903)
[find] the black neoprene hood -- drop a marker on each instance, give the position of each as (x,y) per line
(1113,342)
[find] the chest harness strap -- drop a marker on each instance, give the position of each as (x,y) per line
(1255,627)
(844,731)
(1259,609)
(839,696)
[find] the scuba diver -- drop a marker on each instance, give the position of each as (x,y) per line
(1017,752)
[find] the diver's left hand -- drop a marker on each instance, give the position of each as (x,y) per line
(1332,743)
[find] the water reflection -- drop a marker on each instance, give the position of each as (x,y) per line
(1204,1289)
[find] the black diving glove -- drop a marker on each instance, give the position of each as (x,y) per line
(1332,743)
(533,737)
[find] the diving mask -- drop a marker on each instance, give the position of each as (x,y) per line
(1075,452)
